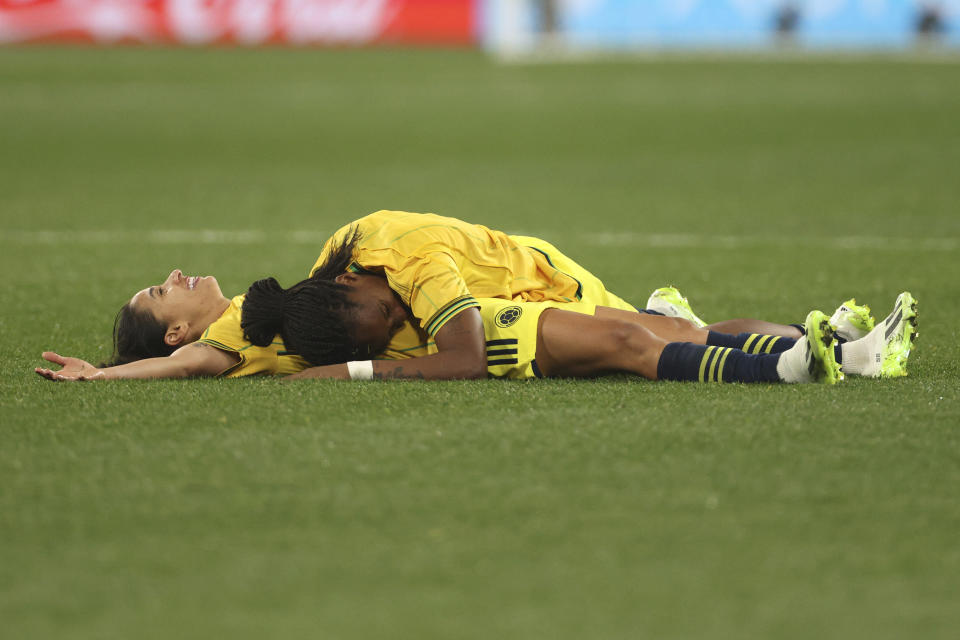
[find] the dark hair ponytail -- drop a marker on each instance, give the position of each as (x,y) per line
(137,335)
(311,316)
(262,315)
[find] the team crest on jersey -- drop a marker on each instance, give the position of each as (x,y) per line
(508,316)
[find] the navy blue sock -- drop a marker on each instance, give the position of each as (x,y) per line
(750,342)
(695,362)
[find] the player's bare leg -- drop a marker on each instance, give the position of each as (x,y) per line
(671,303)
(575,345)
(674,329)
(669,329)
(749,325)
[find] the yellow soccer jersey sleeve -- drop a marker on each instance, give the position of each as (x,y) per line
(439,266)
(227,334)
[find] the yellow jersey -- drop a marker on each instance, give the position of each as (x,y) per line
(227,334)
(440,266)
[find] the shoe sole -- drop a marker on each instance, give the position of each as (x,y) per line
(820,336)
(894,363)
(858,321)
(862,320)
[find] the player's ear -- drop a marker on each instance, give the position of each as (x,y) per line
(176,334)
(347,278)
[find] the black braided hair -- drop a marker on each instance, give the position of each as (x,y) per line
(340,257)
(311,316)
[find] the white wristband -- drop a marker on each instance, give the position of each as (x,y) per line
(360,369)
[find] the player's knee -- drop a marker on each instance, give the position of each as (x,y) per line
(629,339)
(682,324)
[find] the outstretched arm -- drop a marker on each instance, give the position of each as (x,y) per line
(461,355)
(195,359)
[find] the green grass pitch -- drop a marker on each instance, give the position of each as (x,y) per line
(615,508)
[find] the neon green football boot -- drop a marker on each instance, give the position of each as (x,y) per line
(669,302)
(883,353)
(823,364)
(852,321)
(899,333)
(811,358)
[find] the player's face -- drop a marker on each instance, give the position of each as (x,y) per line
(180,298)
(378,313)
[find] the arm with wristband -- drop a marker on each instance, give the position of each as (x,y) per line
(461,356)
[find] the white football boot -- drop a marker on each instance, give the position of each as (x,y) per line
(669,302)
(812,358)
(883,352)
(852,321)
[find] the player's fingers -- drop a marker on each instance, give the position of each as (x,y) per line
(53,357)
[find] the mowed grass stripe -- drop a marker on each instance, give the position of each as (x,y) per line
(625,238)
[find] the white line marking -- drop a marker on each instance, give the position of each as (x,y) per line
(704,241)
(196,236)
(624,239)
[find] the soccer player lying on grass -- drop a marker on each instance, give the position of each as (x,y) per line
(507,339)
(435,264)
(339,323)
(334,322)
(418,253)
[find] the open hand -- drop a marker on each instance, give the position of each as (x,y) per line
(73,369)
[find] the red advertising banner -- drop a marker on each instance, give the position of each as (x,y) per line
(242,22)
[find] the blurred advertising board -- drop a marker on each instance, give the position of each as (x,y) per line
(241,22)
(718,24)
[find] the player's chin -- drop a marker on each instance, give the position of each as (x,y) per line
(211,284)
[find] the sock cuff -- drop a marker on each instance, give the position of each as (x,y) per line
(687,361)
(754,343)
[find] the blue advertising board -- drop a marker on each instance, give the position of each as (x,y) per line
(731,23)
